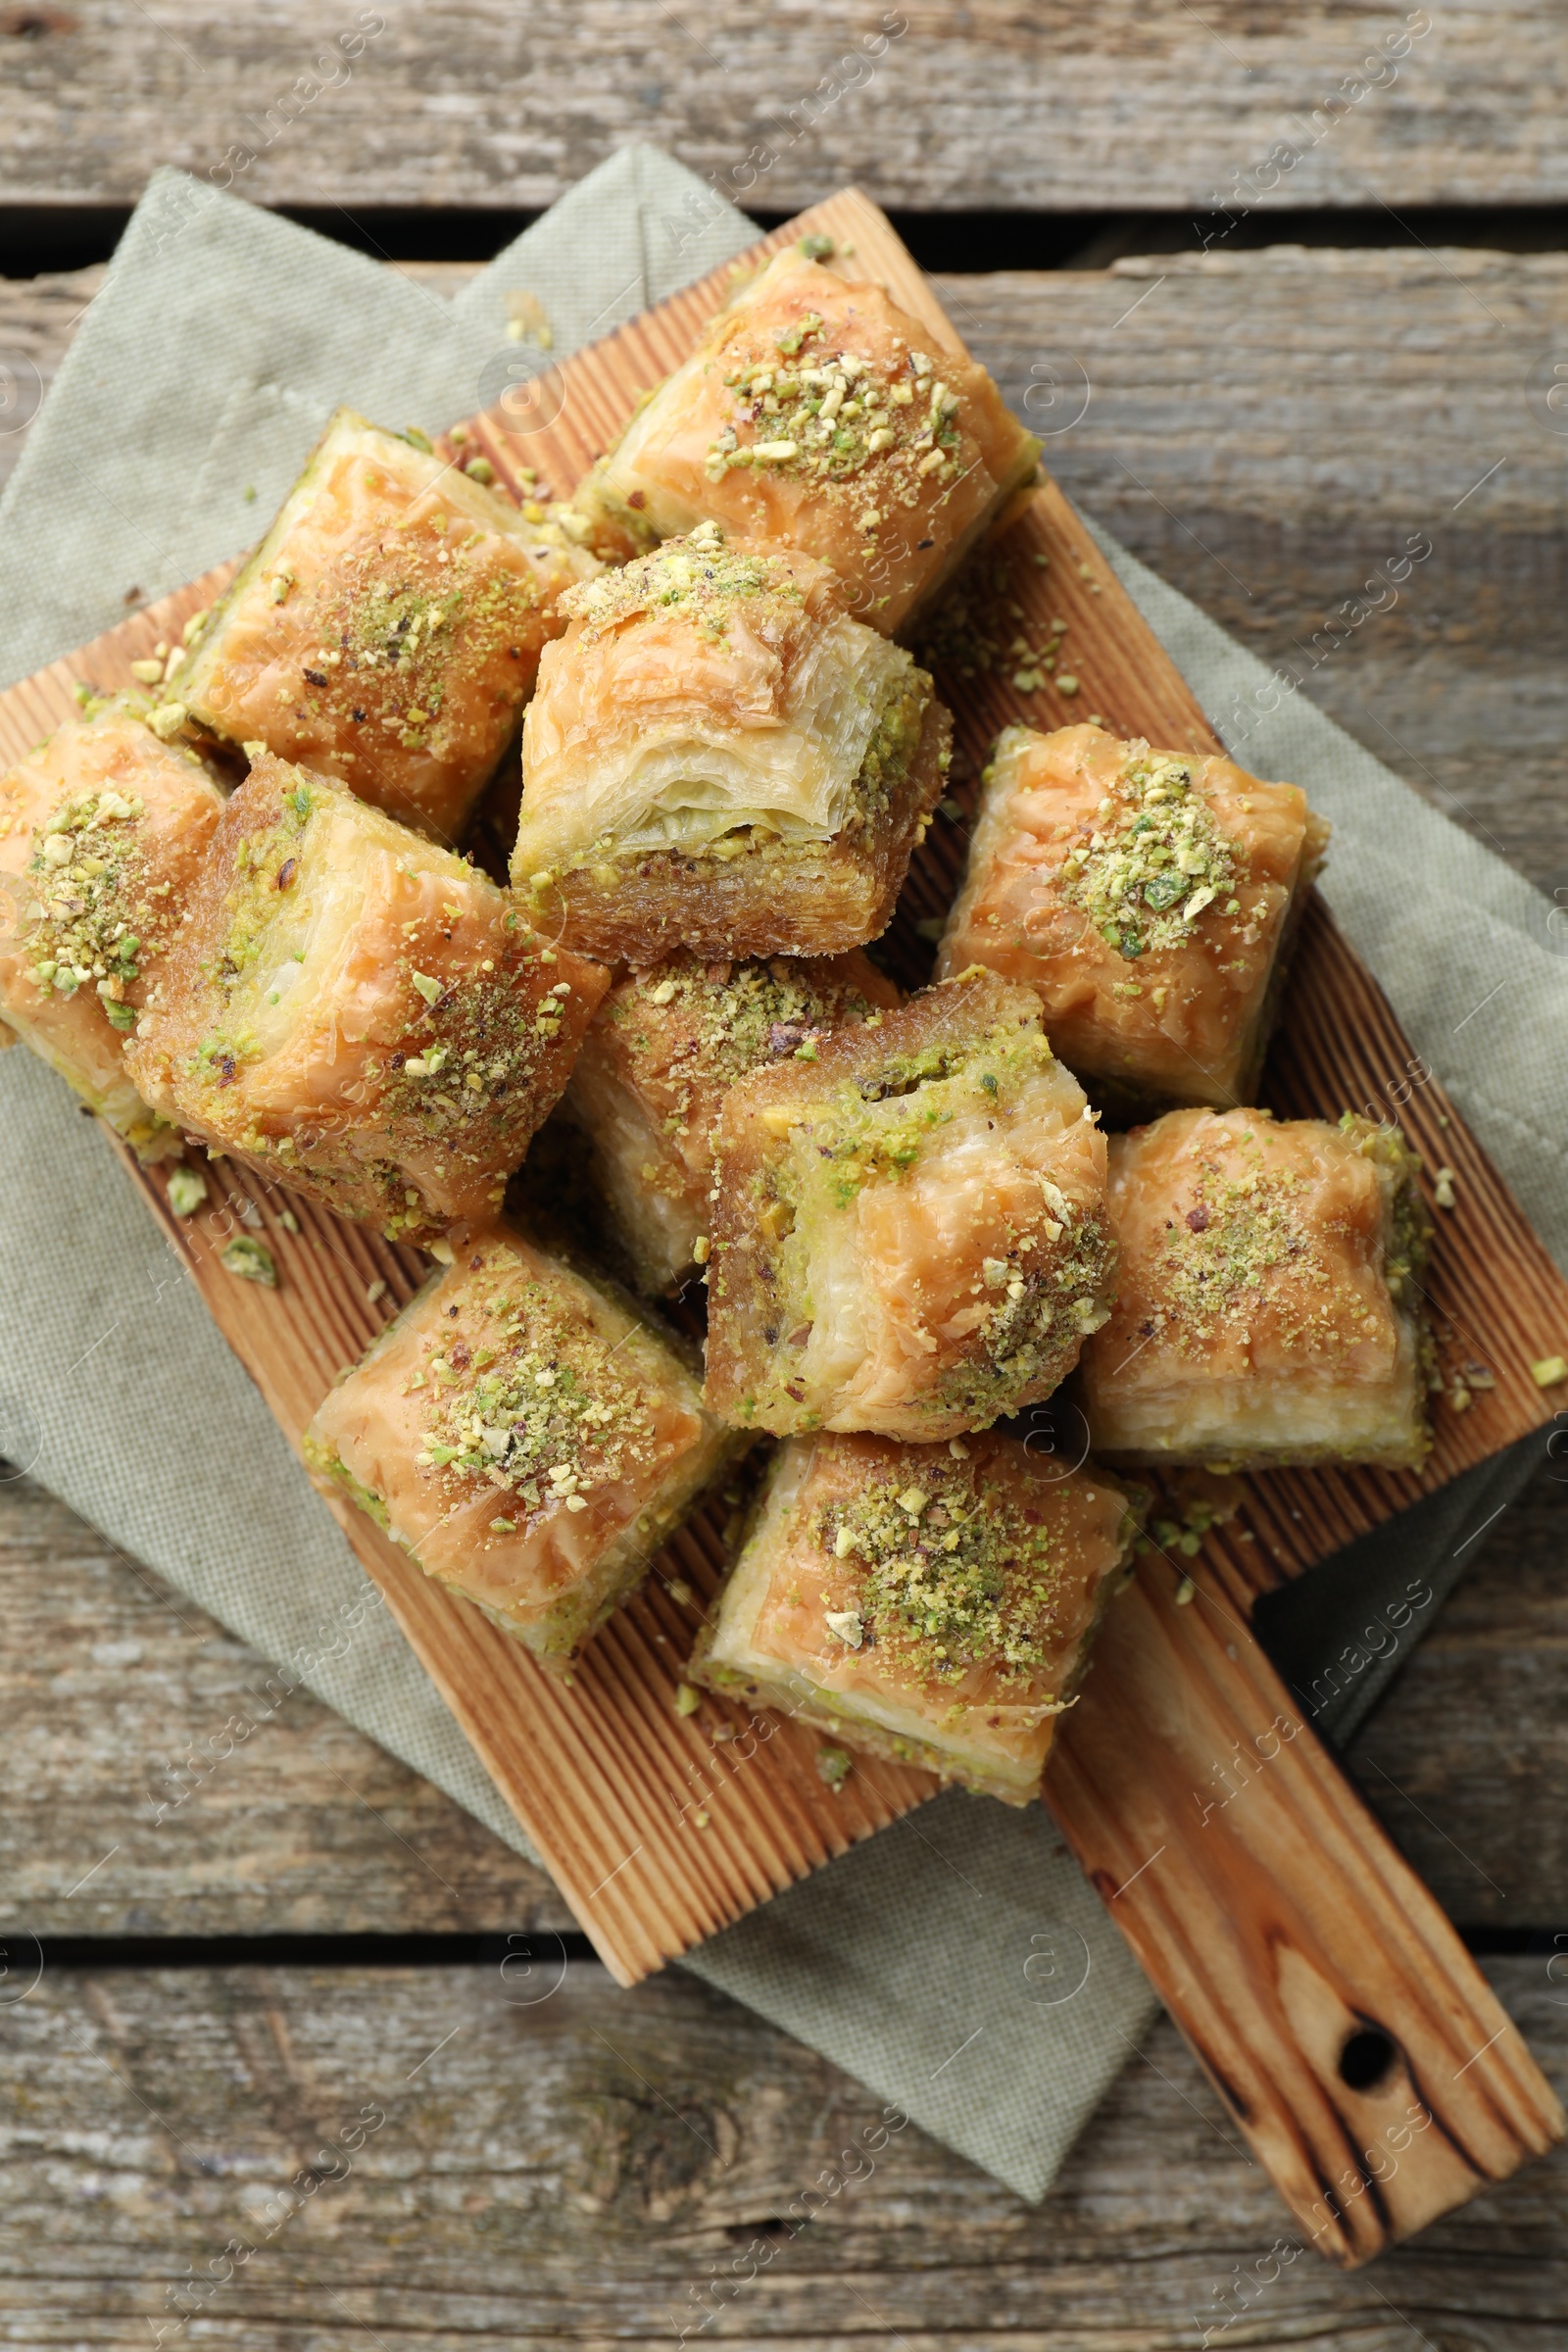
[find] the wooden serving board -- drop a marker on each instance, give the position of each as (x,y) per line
(1351,2035)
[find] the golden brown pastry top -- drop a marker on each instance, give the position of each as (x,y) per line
(1252,1247)
(387,631)
(816,414)
(103,829)
(1142,893)
(963,1575)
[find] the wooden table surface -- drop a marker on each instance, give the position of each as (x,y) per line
(314,1931)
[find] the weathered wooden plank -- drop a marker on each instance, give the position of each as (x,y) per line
(107,1680)
(1271,430)
(120,1700)
(1266,429)
(436,2158)
(1146,104)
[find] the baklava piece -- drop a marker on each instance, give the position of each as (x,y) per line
(910,1233)
(933,1605)
(1270,1307)
(525,1436)
(101,831)
(387,630)
(718,758)
(816,414)
(1147,898)
(356,1013)
(665,1047)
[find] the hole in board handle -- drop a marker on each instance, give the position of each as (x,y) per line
(1367,2058)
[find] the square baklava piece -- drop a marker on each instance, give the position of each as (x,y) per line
(103,830)
(933,1605)
(1271,1309)
(664,1049)
(387,630)
(1149,898)
(910,1233)
(525,1436)
(718,758)
(816,414)
(356,1013)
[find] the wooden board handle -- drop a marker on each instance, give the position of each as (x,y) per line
(1349,2033)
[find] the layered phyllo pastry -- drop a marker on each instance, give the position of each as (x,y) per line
(718,758)
(664,1049)
(1146,897)
(387,629)
(816,414)
(910,1234)
(359,1013)
(525,1434)
(101,831)
(930,1603)
(1270,1307)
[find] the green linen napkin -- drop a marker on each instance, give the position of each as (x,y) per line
(958,1964)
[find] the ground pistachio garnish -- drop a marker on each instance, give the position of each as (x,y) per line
(731,1018)
(251,1260)
(473,1041)
(524,1390)
(948,1574)
(1244,1217)
(95,916)
(980,625)
(834,1766)
(402,614)
(701,577)
(809,407)
(862,1143)
(1154,859)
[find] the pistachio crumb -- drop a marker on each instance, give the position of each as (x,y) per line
(187,1190)
(250,1261)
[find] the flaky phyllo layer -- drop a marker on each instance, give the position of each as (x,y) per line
(704,694)
(1148,898)
(664,1049)
(387,630)
(101,831)
(910,1235)
(935,1605)
(525,1434)
(815,413)
(361,1013)
(1270,1307)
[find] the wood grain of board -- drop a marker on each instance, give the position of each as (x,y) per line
(1146,105)
(1342,1940)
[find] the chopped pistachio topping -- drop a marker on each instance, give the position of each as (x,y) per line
(526,1392)
(721,1020)
(968,1581)
(95,916)
(812,408)
(187,1190)
(1248,1215)
(1154,860)
(250,1261)
(700,577)
(833,1767)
